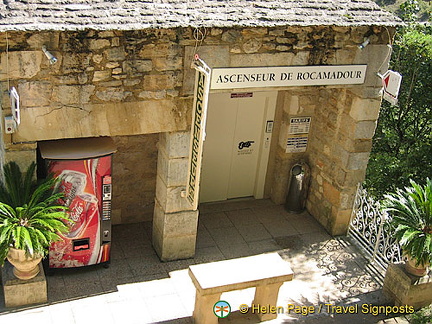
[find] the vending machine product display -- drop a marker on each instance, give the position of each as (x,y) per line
(83,167)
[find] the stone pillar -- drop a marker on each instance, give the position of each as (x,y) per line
(174,221)
(338,150)
(19,292)
(354,151)
(405,289)
(22,154)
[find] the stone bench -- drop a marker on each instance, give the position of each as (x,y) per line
(266,272)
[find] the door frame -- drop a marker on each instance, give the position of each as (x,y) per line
(269,114)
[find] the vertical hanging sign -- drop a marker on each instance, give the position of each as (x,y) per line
(199,115)
(15,105)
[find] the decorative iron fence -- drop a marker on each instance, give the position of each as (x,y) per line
(369,229)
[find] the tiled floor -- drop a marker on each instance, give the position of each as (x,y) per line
(138,288)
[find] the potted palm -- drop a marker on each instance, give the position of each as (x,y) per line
(411,211)
(30,219)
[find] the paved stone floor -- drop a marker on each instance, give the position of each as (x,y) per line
(137,288)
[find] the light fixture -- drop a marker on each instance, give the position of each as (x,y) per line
(52,59)
(365,43)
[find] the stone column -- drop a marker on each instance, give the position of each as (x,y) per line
(403,288)
(174,221)
(22,154)
(354,145)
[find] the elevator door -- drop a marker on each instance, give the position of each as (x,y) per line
(237,145)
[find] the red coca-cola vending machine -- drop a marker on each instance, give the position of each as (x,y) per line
(84,168)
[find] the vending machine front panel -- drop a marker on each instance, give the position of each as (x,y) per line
(81,183)
(86,184)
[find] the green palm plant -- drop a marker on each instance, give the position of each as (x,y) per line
(30,224)
(411,211)
(17,187)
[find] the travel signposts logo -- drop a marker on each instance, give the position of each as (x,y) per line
(221,309)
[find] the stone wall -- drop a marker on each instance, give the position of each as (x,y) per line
(104,83)
(111,82)
(134,171)
(175,222)
(127,83)
(340,140)
(339,154)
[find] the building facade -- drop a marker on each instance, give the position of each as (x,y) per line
(290,84)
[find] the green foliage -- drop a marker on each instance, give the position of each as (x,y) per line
(423,316)
(419,10)
(411,211)
(402,147)
(30,221)
(17,188)
(408,10)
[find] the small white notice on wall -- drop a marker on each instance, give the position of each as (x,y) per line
(299,125)
(391,84)
(297,144)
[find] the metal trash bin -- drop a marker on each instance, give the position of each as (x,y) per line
(298,186)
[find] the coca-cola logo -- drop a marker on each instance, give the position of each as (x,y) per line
(81,211)
(76,212)
(69,191)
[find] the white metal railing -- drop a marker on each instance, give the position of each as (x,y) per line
(369,229)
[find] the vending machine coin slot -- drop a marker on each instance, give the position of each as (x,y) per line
(106,208)
(106,188)
(81,244)
(106,198)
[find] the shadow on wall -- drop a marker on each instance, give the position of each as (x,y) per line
(134,174)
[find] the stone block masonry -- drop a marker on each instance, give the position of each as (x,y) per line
(134,171)
(337,166)
(19,292)
(137,86)
(174,222)
(405,289)
(339,143)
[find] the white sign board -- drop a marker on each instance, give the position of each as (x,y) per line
(297,144)
(287,76)
(199,115)
(299,125)
(15,105)
(391,83)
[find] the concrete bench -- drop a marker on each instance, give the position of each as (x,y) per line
(266,272)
